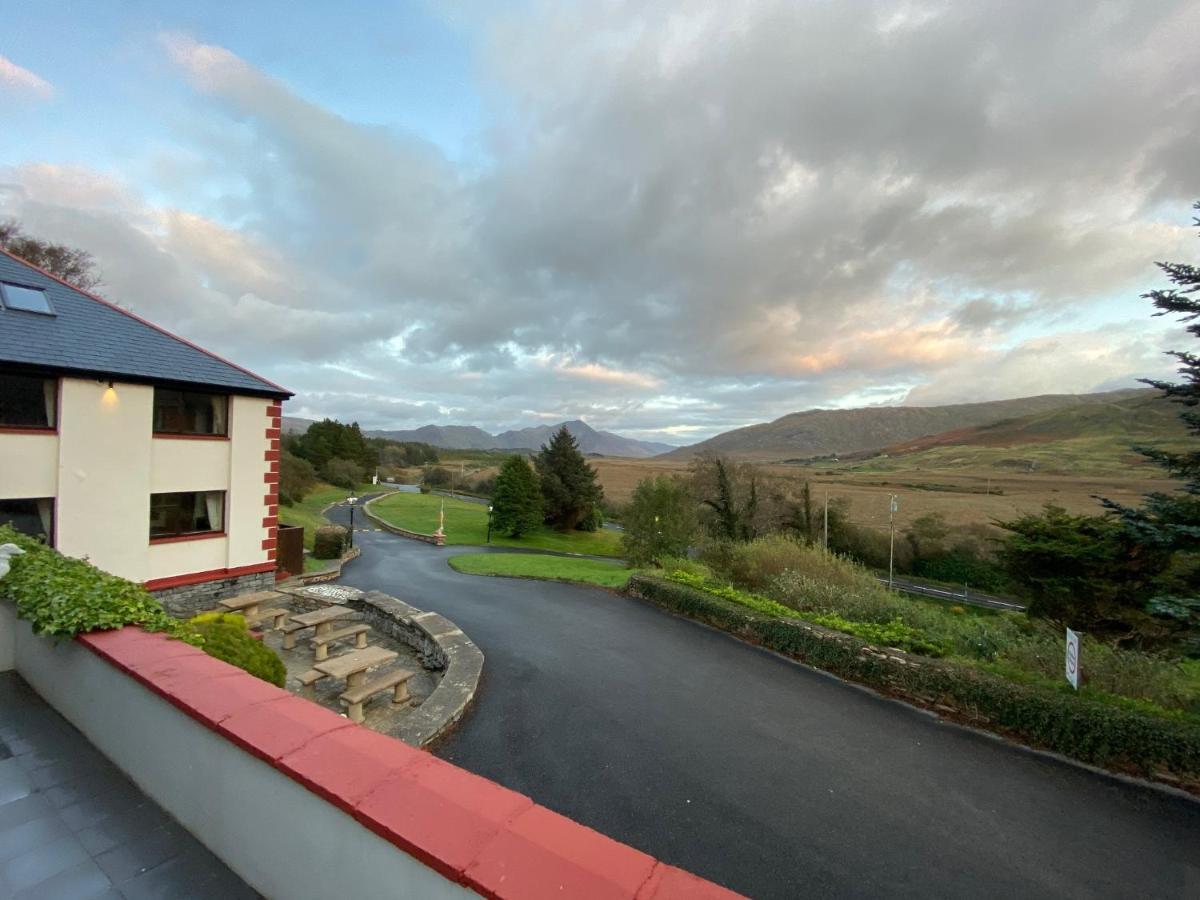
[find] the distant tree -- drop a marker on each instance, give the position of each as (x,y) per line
(437,476)
(296,478)
(660,520)
(342,472)
(730,492)
(571,495)
(330,439)
(802,519)
(1087,572)
(72,265)
(517,498)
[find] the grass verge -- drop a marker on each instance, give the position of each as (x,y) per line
(466,525)
(536,565)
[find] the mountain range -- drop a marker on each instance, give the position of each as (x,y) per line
(842,432)
(468,437)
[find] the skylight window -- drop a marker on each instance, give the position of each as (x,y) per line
(26,299)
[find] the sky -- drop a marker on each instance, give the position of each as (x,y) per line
(667,219)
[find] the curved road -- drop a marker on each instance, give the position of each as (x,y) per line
(761,774)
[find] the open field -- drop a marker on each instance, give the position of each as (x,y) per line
(466,524)
(553,568)
(963,495)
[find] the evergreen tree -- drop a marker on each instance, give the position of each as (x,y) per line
(569,490)
(517,500)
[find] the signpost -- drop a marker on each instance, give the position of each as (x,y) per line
(893,506)
(1073,658)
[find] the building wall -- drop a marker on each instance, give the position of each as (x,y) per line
(104,463)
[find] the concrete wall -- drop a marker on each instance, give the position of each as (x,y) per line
(8,636)
(104,462)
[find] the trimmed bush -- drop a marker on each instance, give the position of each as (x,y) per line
(63,597)
(226,637)
(1121,737)
(329,542)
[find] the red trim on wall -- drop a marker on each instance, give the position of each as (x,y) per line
(17,429)
(472,831)
(168,436)
(177,538)
(268,544)
(273,433)
(158,584)
(271,456)
(270,478)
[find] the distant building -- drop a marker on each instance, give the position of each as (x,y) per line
(122,443)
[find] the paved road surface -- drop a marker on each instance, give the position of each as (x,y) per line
(763,775)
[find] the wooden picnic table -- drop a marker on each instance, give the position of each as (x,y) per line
(353,666)
(248,604)
(323,619)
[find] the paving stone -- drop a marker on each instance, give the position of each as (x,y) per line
(20,839)
(41,862)
(83,881)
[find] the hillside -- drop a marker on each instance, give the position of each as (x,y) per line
(840,432)
(460,437)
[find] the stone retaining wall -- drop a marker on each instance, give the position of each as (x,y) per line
(191,599)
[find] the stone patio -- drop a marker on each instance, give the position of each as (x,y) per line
(73,826)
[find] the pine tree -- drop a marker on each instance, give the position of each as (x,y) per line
(517,498)
(569,490)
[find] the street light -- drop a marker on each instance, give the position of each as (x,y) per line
(351,523)
(489,536)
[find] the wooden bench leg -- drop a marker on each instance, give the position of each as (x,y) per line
(321,652)
(360,640)
(355,712)
(400,693)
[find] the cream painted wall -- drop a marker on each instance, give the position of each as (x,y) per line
(246,509)
(180,557)
(104,474)
(181,464)
(28,465)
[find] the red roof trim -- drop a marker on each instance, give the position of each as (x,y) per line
(284,392)
(473,831)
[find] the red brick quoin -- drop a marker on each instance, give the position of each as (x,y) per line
(271,477)
(473,831)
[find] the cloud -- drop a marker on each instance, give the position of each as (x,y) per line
(681,221)
(22,82)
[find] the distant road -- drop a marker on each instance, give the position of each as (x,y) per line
(974,598)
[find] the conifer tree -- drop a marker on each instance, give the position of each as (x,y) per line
(517,498)
(569,490)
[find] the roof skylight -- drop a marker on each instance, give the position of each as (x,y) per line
(26,299)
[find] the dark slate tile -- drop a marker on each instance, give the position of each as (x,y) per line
(121,829)
(58,773)
(15,782)
(129,860)
(83,881)
(20,839)
(18,812)
(89,812)
(92,785)
(42,862)
(173,880)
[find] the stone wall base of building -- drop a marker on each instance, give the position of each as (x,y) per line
(190,599)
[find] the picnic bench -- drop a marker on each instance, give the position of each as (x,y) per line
(320,643)
(249,605)
(321,620)
(396,680)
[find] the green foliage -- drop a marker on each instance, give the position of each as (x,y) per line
(328,440)
(570,492)
(729,491)
(329,542)
(436,476)
(226,637)
(63,597)
(1088,572)
(517,500)
(296,478)
(1087,728)
(660,521)
(537,565)
(342,472)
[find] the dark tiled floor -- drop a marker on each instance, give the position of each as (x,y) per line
(73,827)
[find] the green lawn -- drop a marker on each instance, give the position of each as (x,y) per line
(535,565)
(466,523)
(308,511)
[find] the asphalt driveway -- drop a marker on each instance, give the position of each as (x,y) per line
(763,775)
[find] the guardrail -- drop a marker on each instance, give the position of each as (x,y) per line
(988,601)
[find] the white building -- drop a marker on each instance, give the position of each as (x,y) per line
(128,445)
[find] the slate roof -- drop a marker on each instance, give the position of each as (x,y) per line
(93,337)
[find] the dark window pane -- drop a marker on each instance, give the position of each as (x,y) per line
(189,412)
(32,517)
(27,402)
(25,298)
(186,512)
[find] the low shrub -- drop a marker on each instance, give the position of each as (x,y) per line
(225,636)
(1116,735)
(63,597)
(329,542)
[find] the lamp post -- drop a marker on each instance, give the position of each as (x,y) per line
(352,525)
(489,536)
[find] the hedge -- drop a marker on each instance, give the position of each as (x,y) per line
(1084,729)
(329,542)
(226,637)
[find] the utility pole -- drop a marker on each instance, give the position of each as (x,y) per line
(892,507)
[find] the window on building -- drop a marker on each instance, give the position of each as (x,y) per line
(27,401)
(26,299)
(189,412)
(187,512)
(32,517)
